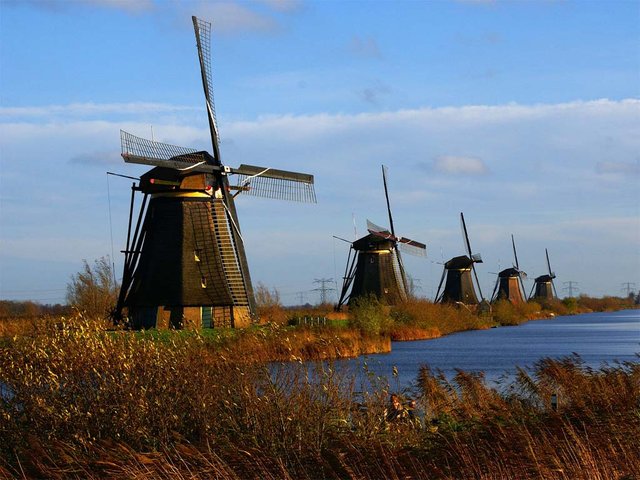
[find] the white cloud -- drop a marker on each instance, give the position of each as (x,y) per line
(128,6)
(453,165)
(85,109)
(543,186)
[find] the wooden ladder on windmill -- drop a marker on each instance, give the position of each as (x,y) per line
(228,253)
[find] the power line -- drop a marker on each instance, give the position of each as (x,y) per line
(627,286)
(323,289)
(570,286)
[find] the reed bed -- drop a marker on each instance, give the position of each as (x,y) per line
(78,401)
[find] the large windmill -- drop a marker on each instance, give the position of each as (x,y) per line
(459,287)
(543,285)
(185,262)
(374,265)
(509,284)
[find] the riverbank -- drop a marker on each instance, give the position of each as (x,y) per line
(366,328)
(82,402)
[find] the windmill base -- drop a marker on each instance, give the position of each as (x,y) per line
(192,318)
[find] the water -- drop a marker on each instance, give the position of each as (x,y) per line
(596,337)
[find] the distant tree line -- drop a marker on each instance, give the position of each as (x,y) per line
(15,308)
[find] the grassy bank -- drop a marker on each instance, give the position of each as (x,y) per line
(80,402)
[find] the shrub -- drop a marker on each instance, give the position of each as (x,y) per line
(571,303)
(93,290)
(369,315)
(270,309)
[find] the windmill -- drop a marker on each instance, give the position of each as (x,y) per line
(185,261)
(459,287)
(543,285)
(509,284)
(374,265)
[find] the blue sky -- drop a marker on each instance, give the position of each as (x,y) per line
(524,115)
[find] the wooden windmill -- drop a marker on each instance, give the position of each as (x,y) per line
(509,284)
(543,285)
(185,262)
(374,265)
(459,287)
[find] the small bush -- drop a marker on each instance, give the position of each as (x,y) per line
(571,303)
(369,315)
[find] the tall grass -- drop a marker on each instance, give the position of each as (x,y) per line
(77,401)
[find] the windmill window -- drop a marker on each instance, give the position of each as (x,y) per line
(203,282)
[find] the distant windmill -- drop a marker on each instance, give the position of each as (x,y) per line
(374,265)
(459,287)
(544,286)
(185,264)
(509,284)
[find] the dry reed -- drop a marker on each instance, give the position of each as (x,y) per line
(77,401)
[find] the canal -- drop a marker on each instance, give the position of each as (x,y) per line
(598,338)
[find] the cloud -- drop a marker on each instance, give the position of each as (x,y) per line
(284,6)
(618,168)
(364,47)
(544,185)
(128,6)
(86,109)
(454,165)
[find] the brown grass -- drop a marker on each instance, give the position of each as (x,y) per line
(80,402)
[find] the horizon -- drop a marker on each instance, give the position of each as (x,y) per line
(525,116)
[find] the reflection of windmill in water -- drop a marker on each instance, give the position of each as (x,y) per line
(185,263)
(374,265)
(458,287)
(509,284)
(543,285)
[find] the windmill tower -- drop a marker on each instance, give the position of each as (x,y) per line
(543,285)
(509,284)
(459,287)
(185,262)
(374,265)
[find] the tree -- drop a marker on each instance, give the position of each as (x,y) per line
(93,290)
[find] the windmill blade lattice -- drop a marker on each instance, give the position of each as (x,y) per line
(202,31)
(148,152)
(377,229)
(412,247)
(551,273)
(277,184)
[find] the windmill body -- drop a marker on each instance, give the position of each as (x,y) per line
(543,287)
(509,284)
(377,271)
(374,266)
(185,262)
(458,275)
(459,282)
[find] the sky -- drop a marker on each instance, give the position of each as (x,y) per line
(523,115)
